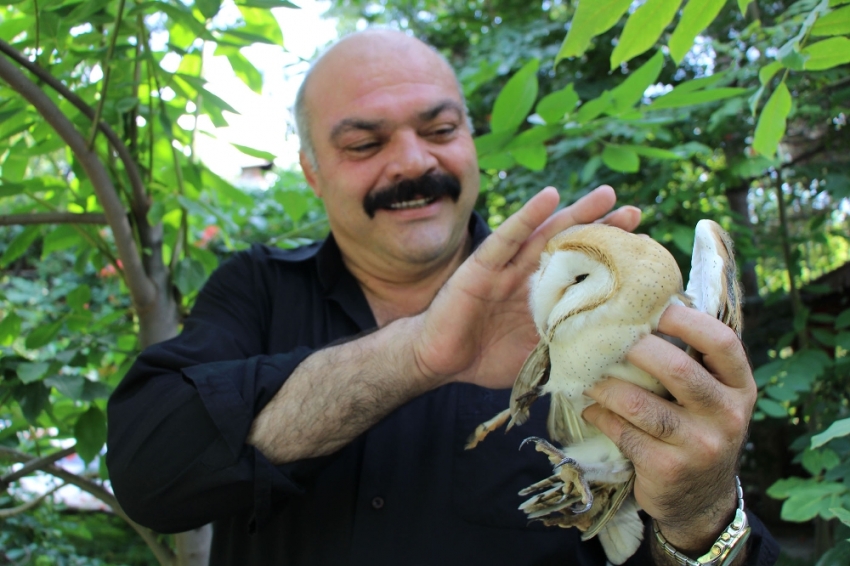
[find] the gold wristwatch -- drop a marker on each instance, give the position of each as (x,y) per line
(725,549)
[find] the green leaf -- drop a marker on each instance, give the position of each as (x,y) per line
(653,152)
(246,71)
(771,408)
(516,99)
(531,157)
(842,514)
(29,372)
(593,108)
(816,461)
(592,17)
(696,16)
(32,398)
(260,21)
(60,238)
(801,508)
(258,153)
(771,124)
(295,203)
(208,8)
(70,386)
(674,99)
(827,54)
(189,275)
(590,168)
(555,105)
(768,71)
(267,4)
(620,159)
(631,90)
(742,5)
(492,142)
(78,298)
(783,488)
(19,245)
(643,28)
(843,320)
(836,430)
(42,335)
(10,328)
(834,23)
(498,161)
(90,432)
(535,136)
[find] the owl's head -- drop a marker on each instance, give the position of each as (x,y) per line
(585,266)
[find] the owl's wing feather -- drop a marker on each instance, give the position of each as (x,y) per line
(623,534)
(565,424)
(529,383)
(713,284)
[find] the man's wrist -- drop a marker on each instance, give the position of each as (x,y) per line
(726,549)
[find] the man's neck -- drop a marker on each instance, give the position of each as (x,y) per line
(408,292)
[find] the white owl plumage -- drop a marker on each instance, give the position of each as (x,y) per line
(598,291)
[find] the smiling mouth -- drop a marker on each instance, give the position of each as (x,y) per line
(417,203)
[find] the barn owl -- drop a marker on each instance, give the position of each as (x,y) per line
(598,291)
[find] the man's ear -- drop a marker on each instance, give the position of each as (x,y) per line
(309,173)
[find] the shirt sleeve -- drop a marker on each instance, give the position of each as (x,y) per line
(178,421)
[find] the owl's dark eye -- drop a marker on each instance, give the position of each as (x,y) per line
(582,277)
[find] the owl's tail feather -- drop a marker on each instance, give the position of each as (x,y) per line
(622,534)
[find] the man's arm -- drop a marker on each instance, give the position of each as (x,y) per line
(685,450)
(477,329)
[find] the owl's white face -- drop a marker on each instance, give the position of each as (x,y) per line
(567,283)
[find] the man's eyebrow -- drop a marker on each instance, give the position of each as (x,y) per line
(432,113)
(356,124)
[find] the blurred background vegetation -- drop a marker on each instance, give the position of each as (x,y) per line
(730,110)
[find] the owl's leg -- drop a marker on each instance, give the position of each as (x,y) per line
(568,471)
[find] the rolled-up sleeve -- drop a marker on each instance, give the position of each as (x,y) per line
(177,456)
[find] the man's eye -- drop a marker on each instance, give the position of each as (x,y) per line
(442,132)
(364,147)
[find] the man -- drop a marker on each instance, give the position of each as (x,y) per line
(307,452)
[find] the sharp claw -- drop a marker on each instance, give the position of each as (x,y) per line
(578,509)
(534,439)
(566,462)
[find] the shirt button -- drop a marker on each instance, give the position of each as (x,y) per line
(377,502)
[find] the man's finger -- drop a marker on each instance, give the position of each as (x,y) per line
(642,408)
(722,351)
(504,243)
(627,218)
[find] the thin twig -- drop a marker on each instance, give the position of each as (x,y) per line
(37,464)
(52,218)
(6,513)
(106,66)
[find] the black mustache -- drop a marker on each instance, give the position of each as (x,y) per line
(429,186)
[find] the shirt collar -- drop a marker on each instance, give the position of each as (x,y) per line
(329,259)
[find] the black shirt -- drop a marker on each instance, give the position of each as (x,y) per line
(404,491)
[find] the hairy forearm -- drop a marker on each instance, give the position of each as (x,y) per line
(338,393)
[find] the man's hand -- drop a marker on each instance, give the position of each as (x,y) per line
(685,450)
(479,329)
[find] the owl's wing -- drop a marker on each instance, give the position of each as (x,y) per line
(529,383)
(527,388)
(713,285)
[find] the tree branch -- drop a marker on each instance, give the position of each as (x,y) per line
(37,464)
(142,290)
(52,218)
(6,513)
(163,554)
(140,202)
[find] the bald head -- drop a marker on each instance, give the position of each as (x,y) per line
(355,61)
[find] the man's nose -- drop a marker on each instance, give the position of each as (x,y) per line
(410,157)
